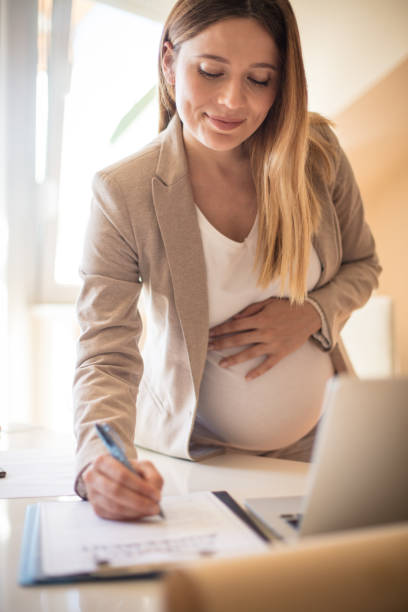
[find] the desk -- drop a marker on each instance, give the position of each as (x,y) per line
(241,474)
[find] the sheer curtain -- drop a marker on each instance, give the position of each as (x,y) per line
(3,223)
(18,209)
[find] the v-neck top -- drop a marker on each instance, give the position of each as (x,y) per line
(282,405)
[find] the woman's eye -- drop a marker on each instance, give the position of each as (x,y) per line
(209,75)
(256,82)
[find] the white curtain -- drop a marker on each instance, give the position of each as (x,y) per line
(3,226)
(18,206)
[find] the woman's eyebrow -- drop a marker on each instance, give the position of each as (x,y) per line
(218,58)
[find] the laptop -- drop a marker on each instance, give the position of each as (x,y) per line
(359,471)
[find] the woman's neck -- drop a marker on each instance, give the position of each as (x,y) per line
(214,163)
(223,188)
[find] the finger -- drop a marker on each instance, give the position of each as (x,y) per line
(252,309)
(149,473)
(232,326)
(113,470)
(113,509)
(114,495)
(255,350)
(266,365)
(234,340)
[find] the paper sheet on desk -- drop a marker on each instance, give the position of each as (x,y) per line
(74,539)
(37,473)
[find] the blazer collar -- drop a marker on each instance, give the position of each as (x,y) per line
(172,163)
(177,217)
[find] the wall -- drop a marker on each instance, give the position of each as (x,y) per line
(374,132)
(349,46)
(54,334)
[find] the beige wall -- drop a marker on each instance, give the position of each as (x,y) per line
(348,46)
(374,133)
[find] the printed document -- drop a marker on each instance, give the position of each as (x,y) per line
(75,540)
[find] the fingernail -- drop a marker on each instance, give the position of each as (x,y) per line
(224,364)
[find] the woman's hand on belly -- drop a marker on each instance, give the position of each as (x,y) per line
(273,328)
(119,494)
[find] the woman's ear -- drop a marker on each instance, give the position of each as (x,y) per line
(168,63)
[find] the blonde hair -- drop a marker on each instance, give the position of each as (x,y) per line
(287,151)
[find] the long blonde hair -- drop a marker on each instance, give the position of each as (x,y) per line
(286,152)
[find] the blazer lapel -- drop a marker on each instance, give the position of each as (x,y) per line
(177,218)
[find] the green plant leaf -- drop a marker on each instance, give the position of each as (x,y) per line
(134,112)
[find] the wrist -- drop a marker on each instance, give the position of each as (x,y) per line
(313,318)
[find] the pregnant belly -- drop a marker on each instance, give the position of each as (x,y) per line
(271,411)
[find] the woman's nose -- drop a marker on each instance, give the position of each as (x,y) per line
(231,94)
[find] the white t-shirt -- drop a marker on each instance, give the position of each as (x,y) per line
(279,407)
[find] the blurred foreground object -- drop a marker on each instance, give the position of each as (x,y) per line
(363,571)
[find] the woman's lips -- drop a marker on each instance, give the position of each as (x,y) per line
(224,124)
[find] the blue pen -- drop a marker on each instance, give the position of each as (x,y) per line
(112,443)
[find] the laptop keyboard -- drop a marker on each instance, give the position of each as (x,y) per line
(292,519)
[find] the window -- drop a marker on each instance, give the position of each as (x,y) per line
(71,73)
(101,74)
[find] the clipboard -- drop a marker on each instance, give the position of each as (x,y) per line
(31,563)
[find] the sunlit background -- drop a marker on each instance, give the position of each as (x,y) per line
(113,65)
(78,92)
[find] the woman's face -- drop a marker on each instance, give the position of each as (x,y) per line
(226,80)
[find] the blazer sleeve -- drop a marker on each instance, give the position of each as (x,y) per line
(357,276)
(109,365)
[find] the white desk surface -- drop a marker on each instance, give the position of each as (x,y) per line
(240,474)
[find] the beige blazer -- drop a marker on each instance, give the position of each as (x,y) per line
(143,240)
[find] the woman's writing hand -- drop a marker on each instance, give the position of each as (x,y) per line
(273,328)
(117,493)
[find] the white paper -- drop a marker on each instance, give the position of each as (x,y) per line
(37,473)
(75,540)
